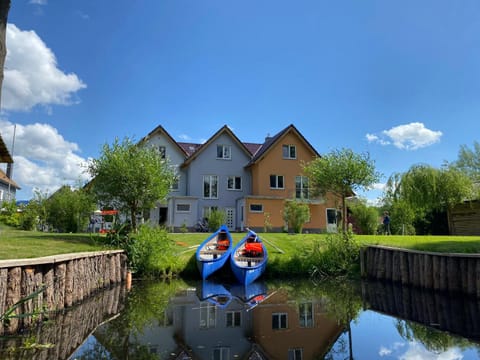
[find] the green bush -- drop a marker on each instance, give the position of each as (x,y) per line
(150,251)
(296,214)
(216,219)
(336,257)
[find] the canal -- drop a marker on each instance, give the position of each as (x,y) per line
(266,320)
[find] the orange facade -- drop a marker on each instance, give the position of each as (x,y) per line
(275,179)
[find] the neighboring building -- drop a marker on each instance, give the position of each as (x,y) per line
(8,187)
(249,181)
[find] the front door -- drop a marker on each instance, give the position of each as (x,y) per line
(162,215)
(230,218)
(331,220)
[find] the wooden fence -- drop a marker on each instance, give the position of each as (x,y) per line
(67,278)
(429,270)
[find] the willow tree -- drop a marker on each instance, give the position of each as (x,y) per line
(428,189)
(342,173)
(469,161)
(129,177)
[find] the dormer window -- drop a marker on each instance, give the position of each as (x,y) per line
(289,151)
(224,152)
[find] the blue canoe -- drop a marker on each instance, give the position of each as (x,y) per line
(249,258)
(214,252)
(251,294)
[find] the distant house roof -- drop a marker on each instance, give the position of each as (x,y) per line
(6,180)
(160,130)
(189,148)
(5,156)
(270,141)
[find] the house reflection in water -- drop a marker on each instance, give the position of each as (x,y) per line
(230,327)
(286,329)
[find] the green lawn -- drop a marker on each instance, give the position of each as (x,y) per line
(16,244)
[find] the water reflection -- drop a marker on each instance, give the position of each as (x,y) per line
(275,320)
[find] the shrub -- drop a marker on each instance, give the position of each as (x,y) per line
(296,214)
(216,219)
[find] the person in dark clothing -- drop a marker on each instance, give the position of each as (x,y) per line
(386,223)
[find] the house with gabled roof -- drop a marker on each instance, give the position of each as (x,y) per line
(217,177)
(277,176)
(249,181)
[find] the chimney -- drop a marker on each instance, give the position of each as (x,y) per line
(9,170)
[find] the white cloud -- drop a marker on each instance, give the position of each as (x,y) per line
(43,158)
(417,352)
(38,2)
(411,136)
(184,137)
(384,351)
(31,74)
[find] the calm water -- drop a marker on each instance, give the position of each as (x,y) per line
(274,320)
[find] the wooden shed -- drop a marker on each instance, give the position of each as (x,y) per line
(464,218)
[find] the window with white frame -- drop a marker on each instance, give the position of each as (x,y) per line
(208,315)
(233,318)
(210,187)
(176,178)
(221,353)
(295,354)
(207,210)
(305,314)
(276,182)
(224,152)
(183,208)
(256,208)
(234,183)
(301,187)
(289,151)
(279,321)
(162,150)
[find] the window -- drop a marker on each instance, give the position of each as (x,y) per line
(305,315)
(163,151)
(207,210)
(234,183)
(221,353)
(295,354)
(224,152)
(256,207)
(210,186)
(289,151)
(276,181)
(175,182)
(233,318)
(208,315)
(301,187)
(1,195)
(183,207)
(279,321)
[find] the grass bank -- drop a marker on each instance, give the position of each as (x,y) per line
(285,250)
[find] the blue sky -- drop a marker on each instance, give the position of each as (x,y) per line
(397,79)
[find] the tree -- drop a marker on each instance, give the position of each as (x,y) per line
(69,210)
(296,214)
(424,194)
(130,177)
(469,161)
(4,9)
(342,172)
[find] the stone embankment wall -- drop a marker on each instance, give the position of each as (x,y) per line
(67,278)
(429,270)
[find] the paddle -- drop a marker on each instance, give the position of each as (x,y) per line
(270,243)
